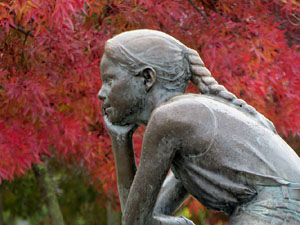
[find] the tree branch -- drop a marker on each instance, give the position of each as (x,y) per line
(199,10)
(1,207)
(47,187)
(27,33)
(297,23)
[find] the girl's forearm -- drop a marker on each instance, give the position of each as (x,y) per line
(125,165)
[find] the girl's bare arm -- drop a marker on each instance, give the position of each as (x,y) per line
(121,138)
(171,196)
(157,154)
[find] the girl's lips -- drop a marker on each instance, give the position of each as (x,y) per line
(107,109)
(105,106)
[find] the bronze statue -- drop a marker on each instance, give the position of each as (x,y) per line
(219,149)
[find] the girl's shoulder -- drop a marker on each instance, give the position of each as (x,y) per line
(184,111)
(184,117)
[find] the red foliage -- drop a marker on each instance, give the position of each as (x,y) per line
(49,69)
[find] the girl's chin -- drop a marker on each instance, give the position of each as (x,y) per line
(117,120)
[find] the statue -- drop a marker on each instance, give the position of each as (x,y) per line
(220,149)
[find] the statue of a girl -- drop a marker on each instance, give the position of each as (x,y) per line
(219,149)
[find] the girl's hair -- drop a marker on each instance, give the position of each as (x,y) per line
(206,84)
(174,63)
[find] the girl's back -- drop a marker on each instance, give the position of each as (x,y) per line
(226,153)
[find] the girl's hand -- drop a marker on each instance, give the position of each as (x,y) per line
(170,220)
(116,131)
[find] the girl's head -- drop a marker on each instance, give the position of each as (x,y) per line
(140,49)
(163,62)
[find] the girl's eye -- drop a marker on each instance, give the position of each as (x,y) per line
(108,82)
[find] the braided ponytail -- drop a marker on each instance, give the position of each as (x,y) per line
(206,84)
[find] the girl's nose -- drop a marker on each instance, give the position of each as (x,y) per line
(101,95)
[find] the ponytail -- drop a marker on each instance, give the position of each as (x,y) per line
(206,84)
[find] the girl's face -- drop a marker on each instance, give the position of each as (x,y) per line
(122,93)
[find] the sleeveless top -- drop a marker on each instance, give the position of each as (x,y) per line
(240,156)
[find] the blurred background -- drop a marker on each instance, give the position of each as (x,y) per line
(56,164)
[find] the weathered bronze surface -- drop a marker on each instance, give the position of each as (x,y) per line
(219,148)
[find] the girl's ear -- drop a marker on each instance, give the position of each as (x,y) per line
(149,75)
